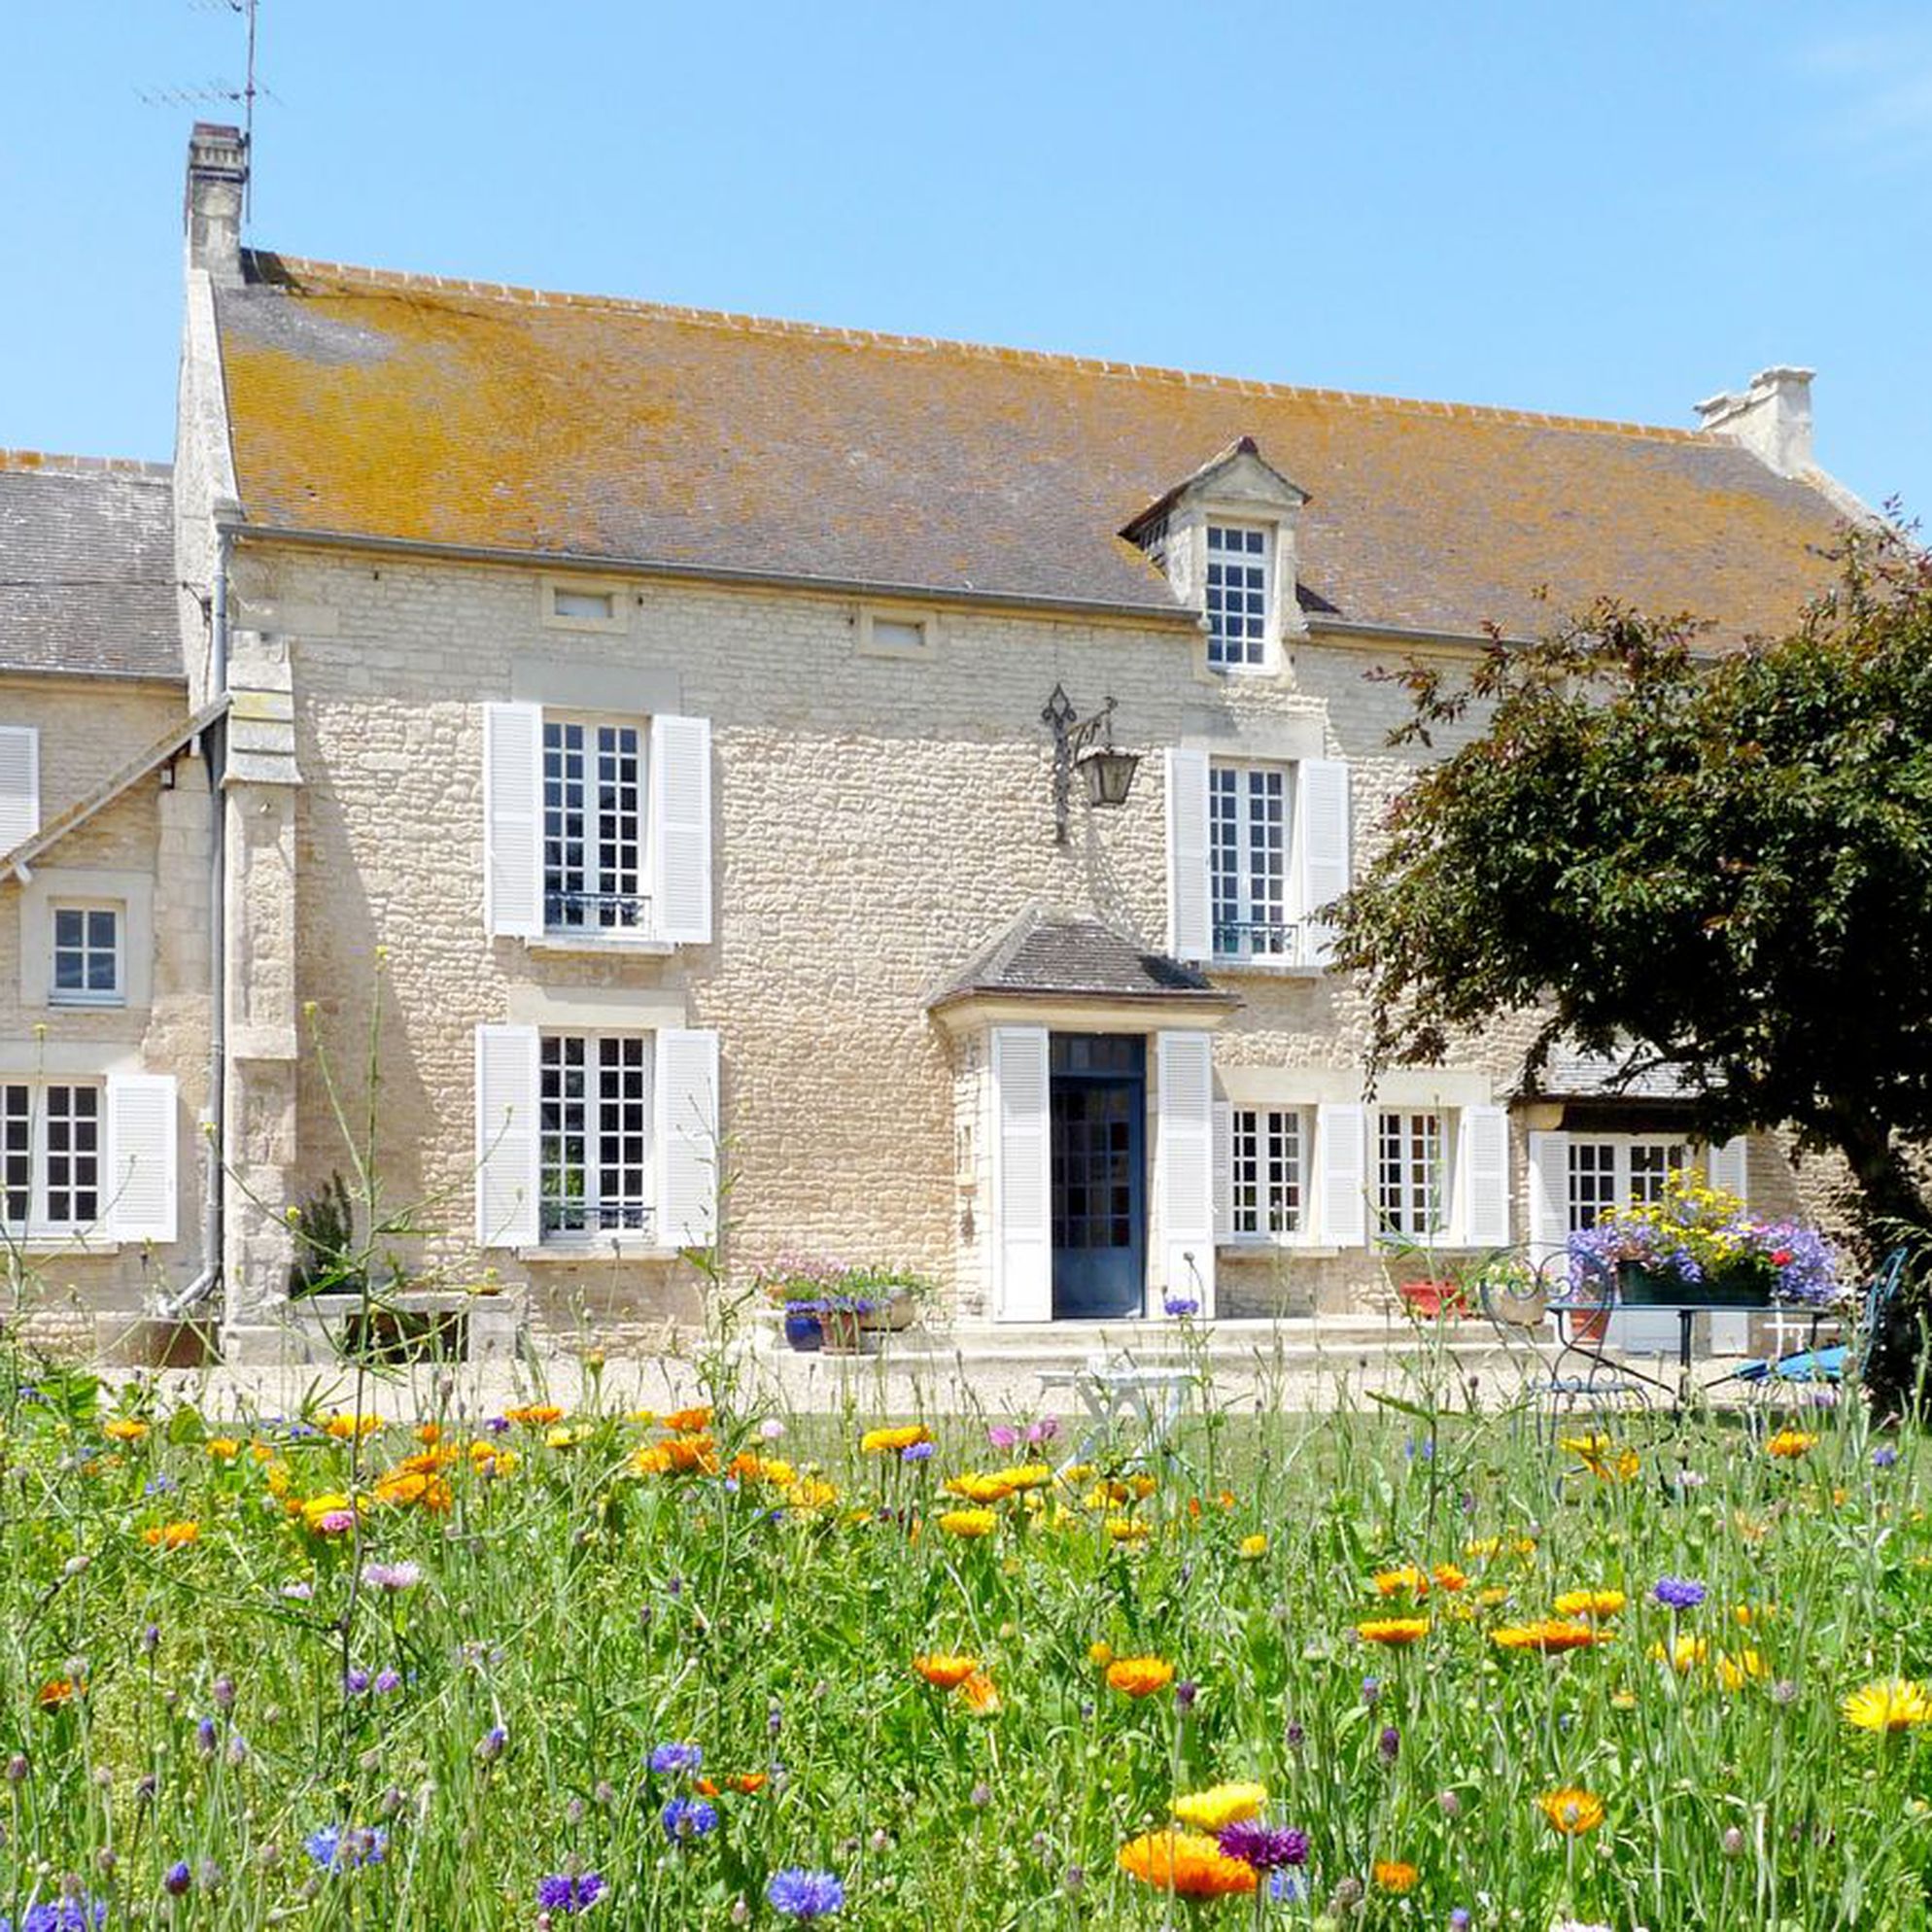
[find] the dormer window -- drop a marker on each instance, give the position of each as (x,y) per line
(1238,595)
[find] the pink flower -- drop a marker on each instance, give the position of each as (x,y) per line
(1045,1429)
(1003,1436)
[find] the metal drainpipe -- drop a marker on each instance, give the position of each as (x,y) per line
(215,740)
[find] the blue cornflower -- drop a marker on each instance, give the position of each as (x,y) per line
(1182,1304)
(160,1486)
(342,1847)
(804,1895)
(177,1878)
(916,1452)
(66,1915)
(561,1892)
(1884,1456)
(1678,1593)
(666,1760)
(686,1818)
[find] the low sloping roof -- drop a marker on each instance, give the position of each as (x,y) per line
(1571,1074)
(1049,954)
(386,407)
(87,566)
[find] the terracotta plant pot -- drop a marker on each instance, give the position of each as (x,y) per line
(843,1331)
(1434,1301)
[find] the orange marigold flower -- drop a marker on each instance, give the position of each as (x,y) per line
(969,1524)
(534,1415)
(1788,1444)
(1408,1580)
(429,1433)
(223,1448)
(890,1442)
(1447,1576)
(123,1428)
(979,1695)
(693,1452)
(171,1536)
(1590,1602)
(1186,1863)
(945,1669)
(1139,1676)
(403,1488)
(58,1691)
(1548,1635)
(1571,1810)
(1392,1630)
(343,1426)
(1394,1874)
(688,1422)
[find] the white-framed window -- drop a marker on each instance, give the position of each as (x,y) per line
(594,1155)
(1268,1187)
(594,851)
(1412,1179)
(1250,825)
(1617,1170)
(88,965)
(1238,595)
(50,1155)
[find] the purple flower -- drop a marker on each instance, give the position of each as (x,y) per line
(387,1680)
(686,1818)
(177,1878)
(1390,1744)
(1182,1304)
(1883,1457)
(204,1736)
(342,1847)
(916,1452)
(562,1893)
(804,1895)
(1678,1593)
(1185,1693)
(490,1747)
(1003,1436)
(355,1680)
(392,1576)
(1459,1920)
(1043,1431)
(669,1760)
(1264,1848)
(67,1914)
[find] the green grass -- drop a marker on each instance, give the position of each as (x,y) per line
(589,1612)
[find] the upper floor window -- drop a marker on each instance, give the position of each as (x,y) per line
(50,1155)
(87,968)
(594,826)
(1411,1174)
(1268,1187)
(1238,595)
(595,1128)
(1617,1171)
(1249,815)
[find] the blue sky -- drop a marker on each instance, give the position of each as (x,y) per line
(1608,210)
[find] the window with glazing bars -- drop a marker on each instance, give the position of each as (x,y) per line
(1237,594)
(593,825)
(1269,1183)
(87,956)
(1411,1181)
(596,1133)
(50,1156)
(1248,832)
(1618,1171)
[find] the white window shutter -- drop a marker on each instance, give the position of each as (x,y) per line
(513,820)
(1224,1171)
(1484,1166)
(1184,1164)
(1023,1195)
(1341,1152)
(1324,848)
(1549,1198)
(141,1141)
(1190,898)
(1730,1168)
(689,1151)
(681,829)
(507,1137)
(20,785)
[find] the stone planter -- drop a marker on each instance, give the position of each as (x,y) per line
(891,1316)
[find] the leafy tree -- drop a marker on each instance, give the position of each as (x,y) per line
(1719,859)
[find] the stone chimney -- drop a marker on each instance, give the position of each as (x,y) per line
(1772,419)
(217,174)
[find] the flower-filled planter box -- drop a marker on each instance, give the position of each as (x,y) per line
(1641,1286)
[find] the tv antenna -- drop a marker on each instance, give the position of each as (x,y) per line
(221,92)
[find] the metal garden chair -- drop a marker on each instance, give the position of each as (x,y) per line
(1829,1366)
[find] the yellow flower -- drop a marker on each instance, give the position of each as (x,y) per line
(1683,1656)
(969,1523)
(1221,1805)
(223,1448)
(534,1415)
(1392,1630)
(1572,1811)
(1590,1602)
(981,1487)
(1253,1547)
(1100,1655)
(342,1426)
(1447,1576)
(889,1441)
(123,1428)
(945,1669)
(1549,1636)
(171,1536)
(1125,1530)
(1407,1581)
(1735,1670)
(1894,1704)
(977,1693)
(1139,1676)
(1788,1444)
(1394,1875)
(329,1515)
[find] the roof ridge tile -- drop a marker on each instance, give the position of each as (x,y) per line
(48,463)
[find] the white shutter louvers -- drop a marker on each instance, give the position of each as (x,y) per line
(20,785)
(1341,1156)
(140,1143)
(1485,1177)
(513,820)
(1549,1201)
(1184,1164)
(689,1151)
(507,1137)
(1325,848)
(1022,1201)
(1189,911)
(680,784)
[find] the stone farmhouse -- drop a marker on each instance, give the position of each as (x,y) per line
(654,711)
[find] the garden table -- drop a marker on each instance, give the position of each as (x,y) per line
(1595,1348)
(1109,1386)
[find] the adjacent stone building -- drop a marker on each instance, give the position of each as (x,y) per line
(652,714)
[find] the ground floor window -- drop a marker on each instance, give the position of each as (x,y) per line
(50,1155)
(1411,1174)
(1269,1185)
(1618,1171)
(596,1133)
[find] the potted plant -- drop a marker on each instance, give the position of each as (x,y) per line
(796,1285)
(842,1318)
(1445,1300)
(895,1295)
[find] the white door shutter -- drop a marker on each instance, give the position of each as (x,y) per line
(681,829)
(1023,1219)
(689,1151)
(1729,1167)
(1341,1157)
(1190,916)
(1184,1164)
(513,820)
(141,1139)
(20,785)
(1224,1171)
(1485,1177)
(1325,848)
(1549,1199)
(507,1137)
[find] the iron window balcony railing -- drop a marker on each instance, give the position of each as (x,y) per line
(1287,940)
(564,1218)
(592,911)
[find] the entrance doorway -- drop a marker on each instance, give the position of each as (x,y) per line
(1098,1099)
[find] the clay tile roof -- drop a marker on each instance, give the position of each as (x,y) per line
(87,566)
(383,406)
(1050,954)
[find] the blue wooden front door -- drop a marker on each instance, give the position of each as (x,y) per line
(1098,1098)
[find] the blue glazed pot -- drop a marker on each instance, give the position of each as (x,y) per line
(804,1334)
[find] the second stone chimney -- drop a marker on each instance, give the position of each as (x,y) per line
(217,175)
(1772,419)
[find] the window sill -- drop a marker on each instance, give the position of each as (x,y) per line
(80,1242)
(98,1002)
(597,942)
(1261,1247)
(565,1253)
(1263,967)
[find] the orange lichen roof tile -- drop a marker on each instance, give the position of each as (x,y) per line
(371,405)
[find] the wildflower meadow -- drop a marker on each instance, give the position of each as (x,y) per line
(1418,1665)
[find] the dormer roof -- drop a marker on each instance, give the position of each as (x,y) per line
(1236,478)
